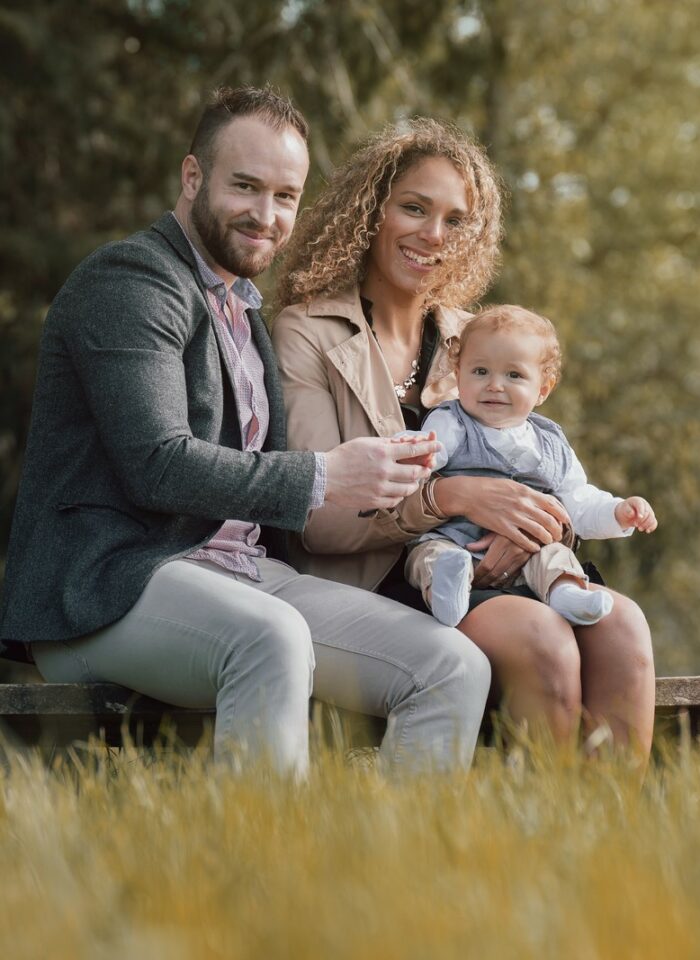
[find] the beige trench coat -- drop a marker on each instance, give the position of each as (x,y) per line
(337,386)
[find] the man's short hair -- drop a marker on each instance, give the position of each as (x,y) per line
(227,103)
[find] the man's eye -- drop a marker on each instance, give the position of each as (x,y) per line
(243,186)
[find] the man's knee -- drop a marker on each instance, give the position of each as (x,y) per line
(460,666)
(278,639)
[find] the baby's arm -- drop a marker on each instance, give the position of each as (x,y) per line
(448,430)
(636,512)
(595,514)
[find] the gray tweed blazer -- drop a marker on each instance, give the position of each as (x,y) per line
(134,456)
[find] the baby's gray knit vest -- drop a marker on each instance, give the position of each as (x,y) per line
(476,458)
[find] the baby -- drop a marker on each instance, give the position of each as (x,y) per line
(508,362)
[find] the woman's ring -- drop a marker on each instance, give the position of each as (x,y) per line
(504,576)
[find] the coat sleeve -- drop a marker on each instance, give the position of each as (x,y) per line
(128,319)
(313,424)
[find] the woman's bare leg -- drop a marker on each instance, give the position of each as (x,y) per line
(535,662)
(617,674)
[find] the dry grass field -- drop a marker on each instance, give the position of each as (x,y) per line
(143,857)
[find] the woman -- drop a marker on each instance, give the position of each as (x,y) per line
(408,231)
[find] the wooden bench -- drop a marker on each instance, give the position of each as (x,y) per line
(57,714)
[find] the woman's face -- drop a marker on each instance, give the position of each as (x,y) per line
(428,202)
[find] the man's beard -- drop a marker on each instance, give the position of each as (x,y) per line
(219,240)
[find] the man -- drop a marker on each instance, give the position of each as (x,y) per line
(156,450)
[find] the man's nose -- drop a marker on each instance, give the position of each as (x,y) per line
(263,211)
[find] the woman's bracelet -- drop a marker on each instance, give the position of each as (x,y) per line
(429,499)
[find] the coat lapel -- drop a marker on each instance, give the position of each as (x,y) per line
(361,364)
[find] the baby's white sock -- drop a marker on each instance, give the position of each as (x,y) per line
(579,606)
(449,590)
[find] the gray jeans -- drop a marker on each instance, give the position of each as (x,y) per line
(202,636)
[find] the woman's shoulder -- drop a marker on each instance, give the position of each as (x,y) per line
(328,318)
(451,321)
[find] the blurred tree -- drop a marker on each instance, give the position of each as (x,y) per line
(589,107)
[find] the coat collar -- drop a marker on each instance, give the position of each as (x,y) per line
(168,227)
(346,304)
(361,363)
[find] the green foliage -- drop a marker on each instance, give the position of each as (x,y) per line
(589,108)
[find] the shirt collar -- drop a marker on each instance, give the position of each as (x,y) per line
(244,288)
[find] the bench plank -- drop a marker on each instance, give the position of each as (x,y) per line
(678,691)
(62,713)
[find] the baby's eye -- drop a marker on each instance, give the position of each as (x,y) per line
(514,375)
(480,371)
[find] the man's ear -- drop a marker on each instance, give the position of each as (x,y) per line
(545,390)
(191,177)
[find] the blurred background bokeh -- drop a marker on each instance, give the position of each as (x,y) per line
(590,109)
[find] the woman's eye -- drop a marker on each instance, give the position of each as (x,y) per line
(413,208)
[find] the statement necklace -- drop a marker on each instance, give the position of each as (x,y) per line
(401,389)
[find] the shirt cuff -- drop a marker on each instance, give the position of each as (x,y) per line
(318,491)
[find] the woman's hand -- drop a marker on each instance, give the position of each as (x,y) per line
(524,516)
(501,563)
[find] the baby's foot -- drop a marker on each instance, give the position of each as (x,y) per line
(579,606)
(452,577)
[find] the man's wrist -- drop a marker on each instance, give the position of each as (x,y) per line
(318,491)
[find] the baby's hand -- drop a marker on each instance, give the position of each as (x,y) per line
(636,512)
(411,437)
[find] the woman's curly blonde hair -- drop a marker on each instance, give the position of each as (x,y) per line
(328,251)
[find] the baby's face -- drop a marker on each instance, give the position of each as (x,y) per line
(500,376)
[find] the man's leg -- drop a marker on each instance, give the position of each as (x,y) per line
(378,657)
(199,637)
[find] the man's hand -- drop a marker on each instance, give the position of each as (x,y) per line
(636,512)
(526,517)
(368,472)
(501,563)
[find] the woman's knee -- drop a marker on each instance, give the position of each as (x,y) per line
(621,641)
(533,652)
(549,653)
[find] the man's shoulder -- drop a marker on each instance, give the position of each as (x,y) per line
(148,260)
(157,243)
